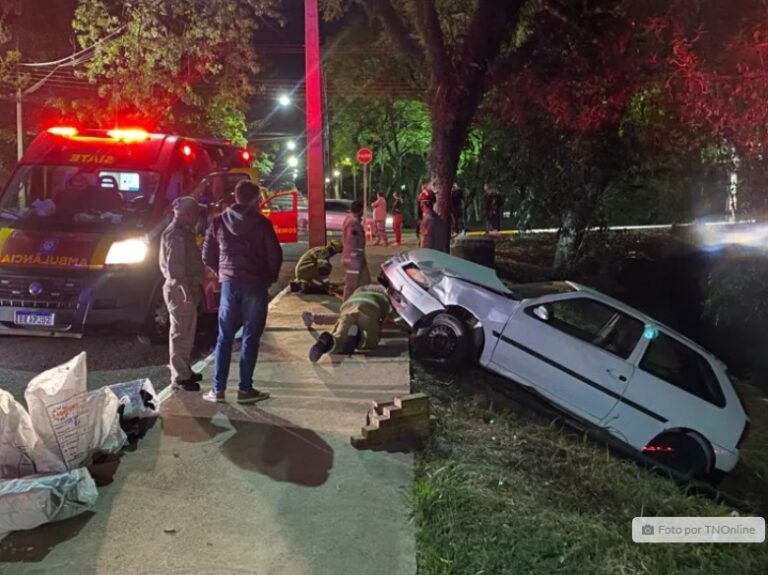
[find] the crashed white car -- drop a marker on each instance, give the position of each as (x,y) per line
(598,359)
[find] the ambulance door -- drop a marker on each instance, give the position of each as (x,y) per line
(283,211)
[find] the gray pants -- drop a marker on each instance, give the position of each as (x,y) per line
(354,278)
(183,315)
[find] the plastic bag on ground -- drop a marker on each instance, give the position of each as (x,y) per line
(138,398)
(32,501)
(70,422)
(20,447)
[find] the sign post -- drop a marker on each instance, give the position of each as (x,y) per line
(365,157)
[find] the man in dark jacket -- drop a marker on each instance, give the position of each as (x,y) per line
(241,247)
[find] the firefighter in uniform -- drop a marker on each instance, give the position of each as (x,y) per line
(358,326)
(182,267)
(353,251)
(314,268)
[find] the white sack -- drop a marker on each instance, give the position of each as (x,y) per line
(20,447)
(32,501)
(70,422)
(130,395)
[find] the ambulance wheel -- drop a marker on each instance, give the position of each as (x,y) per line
(445,342)
(158,321)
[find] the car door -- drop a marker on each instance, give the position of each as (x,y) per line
(677,387)
(574,350)
(283,211)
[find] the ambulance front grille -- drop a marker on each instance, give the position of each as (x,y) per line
(39,293)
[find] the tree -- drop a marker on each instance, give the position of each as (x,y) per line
(182,63)
(450,47)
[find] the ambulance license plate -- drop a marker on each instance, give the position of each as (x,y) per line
(40,318)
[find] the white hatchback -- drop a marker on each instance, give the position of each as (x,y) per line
(600,360)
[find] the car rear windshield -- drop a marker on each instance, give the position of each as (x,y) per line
(78,198)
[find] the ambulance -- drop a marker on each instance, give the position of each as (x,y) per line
(80,224)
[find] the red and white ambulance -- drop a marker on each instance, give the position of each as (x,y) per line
(81,219)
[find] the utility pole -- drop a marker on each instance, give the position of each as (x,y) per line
(315,159)
(19,125)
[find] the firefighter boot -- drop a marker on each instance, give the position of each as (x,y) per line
(323,345)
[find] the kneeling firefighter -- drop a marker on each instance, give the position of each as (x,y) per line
(314,269)
(358,327)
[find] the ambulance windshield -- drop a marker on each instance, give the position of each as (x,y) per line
(79,197)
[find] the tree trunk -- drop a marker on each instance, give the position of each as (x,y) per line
(447,140)
(573,227)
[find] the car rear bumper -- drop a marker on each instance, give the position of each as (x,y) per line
(409,300)
(75,301)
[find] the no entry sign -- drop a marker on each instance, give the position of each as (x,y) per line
(364,156)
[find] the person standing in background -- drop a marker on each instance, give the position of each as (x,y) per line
(353,251)
(433,229)
(457,209)
(380,219)
(426,194)
(493,203)
(182,267)
(397,218)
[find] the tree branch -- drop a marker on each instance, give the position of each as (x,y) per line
(431,33)
(385,13)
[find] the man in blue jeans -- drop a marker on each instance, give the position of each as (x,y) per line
(241,247)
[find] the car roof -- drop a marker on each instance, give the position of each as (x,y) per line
(450,265)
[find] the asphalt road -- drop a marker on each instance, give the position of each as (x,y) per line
(112,358)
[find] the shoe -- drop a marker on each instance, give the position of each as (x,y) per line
(251,396)
(323,345)
(308,318)
(196,377)
(353,340)
(186,385)
(214,396)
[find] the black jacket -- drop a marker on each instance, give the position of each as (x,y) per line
(241,245)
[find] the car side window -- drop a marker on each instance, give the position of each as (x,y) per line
(595,323)
(683,367)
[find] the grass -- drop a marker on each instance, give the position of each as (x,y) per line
(507,491)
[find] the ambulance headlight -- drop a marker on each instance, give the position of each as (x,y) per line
(127,252)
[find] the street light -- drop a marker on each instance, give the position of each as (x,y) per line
(336,173)
(293,162)
(291,145)
(327,180)
(284,100)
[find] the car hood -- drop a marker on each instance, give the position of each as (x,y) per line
(433,262)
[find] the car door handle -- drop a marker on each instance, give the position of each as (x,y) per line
(616,375)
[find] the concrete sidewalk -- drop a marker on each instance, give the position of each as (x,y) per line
(272,488)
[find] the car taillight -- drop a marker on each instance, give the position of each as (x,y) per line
(417,275)
(744,435)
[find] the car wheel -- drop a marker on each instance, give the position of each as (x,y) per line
(445,342)
(158,321)
(684,452)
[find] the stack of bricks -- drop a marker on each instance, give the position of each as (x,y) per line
(405,419)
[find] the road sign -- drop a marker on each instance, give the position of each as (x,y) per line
(364,156)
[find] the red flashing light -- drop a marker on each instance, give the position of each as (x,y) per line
(186,151)
(65,131)
(246,156)
(129,135)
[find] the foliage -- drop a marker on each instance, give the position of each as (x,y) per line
(504,485)
(182,63)
(735,291)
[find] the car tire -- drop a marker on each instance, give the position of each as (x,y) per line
(445,342)
(157,324)
(688,455)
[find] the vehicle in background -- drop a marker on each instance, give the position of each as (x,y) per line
(602,361)
(336,211)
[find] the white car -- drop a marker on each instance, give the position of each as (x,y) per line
(588,354)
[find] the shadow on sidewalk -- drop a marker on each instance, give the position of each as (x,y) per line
(259,442)
(34,545)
